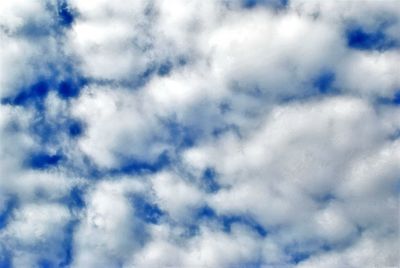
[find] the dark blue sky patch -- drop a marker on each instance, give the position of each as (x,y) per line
(180,135)
(67,244)
(32,95)
(136,166)
(248,4)
(69,88)
(209,181)
(40,89)
(165,68)
(297,257)
(75,199)
(392,100)
(50,132)
(44,131)
(323,82)
(396,98)
(206,212)
(141,79)
(359,38)
(75,128)
(146,211)
(229,220)
(5,258)
(65,14)
(226,221)
(45,263)
(5,214)
(43,160)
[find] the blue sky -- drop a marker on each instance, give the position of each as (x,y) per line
(223,133)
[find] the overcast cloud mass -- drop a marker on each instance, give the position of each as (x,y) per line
(200,133)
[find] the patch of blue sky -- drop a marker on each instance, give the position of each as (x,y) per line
(181,136)
(323,82)
(5,257)
(132,166)
(45,263)
(396,98)
(165,68)
(392,100)
(6,213)
(301,252)
(67,245)
(30,95)
(70,88)
(209,180)
(75,127)
(85,167)
(43,160)
(75,198)
(358,37)
(45,131)
(273,3)
(34,95)
(146,210)
(298,256)
(65,14)
(227,221)
(161,68)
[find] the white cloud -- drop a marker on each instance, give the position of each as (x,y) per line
(279,55)
(368,74)
(176,196)
(217,86)
(34,224)
(109,39)
(108,231)
(365,253)
(106,138)
(27,44)
(17,14)
(36,231)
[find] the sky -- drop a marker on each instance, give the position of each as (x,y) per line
(200,133)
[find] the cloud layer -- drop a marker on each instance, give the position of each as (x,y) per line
(224,133)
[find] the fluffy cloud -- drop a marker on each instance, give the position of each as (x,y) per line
(108,231)
(199,133)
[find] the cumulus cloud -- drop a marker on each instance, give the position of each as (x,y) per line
(229,133)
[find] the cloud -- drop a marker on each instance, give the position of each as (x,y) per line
(199,133)
(108,231)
